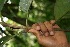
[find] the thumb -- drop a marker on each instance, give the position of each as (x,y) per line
(35,32)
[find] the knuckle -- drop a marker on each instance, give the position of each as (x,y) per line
(52,21)
(46,22)
(33,25)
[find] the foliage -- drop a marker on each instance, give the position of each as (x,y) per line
(2,4)
(24,5)
(61,8)
(25,13)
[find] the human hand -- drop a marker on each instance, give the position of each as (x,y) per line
(47,36)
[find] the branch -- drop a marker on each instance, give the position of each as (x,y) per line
(23,27)
(13,26)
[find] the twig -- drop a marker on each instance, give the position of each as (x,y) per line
(24,27)
(12,26)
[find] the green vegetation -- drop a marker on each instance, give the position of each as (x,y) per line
(23,13)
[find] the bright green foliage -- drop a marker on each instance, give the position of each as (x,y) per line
(4,40)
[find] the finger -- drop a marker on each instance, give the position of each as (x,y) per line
(44,34)
(49,27)
(36,26)
(56,26)
(43,29)
(47,34)
(52,22)
(35,32)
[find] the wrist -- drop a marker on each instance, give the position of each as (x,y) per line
(69,45)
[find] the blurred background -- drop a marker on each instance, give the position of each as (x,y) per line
(13,21)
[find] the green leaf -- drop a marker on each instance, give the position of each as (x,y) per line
(64,22)
(62,14)
(68,36)
(3,40)
(24,5)
(61,8)
(2,4)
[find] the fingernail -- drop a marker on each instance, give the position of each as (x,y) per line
(37,28)
(46,34)
(51,33)
(30,29)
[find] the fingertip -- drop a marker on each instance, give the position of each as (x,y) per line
(38,28)
(30,30)
(56,26)
(51,32)
(52,21)
(46,22)
(46,34)
(33,31)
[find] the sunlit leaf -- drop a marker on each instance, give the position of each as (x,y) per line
(2,4)
(24,5)
(3,40)
(61,8)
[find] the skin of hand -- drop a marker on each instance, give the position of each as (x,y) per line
(47,36)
